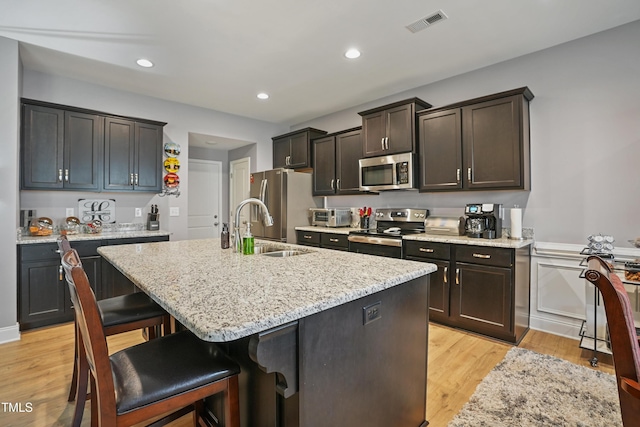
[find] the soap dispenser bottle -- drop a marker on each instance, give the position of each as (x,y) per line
(224,236)
(247,241)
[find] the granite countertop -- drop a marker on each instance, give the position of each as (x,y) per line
(458,240)
(26,240)
(223,296)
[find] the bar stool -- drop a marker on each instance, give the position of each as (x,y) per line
(118,314)
(173,373)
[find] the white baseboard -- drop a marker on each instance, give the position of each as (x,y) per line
(9,333)
(556,327)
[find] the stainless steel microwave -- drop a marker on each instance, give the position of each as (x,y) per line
(393,172)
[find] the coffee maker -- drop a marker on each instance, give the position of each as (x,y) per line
(483,220)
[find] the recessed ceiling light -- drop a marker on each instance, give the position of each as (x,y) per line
(352,53)
(263,95)
(144,63)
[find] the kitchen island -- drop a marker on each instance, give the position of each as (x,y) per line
(323,338)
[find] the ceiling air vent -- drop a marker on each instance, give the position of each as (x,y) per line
(427,21)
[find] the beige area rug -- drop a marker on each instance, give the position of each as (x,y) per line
(532,389)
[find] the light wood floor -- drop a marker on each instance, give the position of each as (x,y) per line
(37,369)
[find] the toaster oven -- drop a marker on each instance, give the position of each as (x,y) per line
(331,217)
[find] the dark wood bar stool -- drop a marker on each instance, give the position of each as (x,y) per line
(173,373)
(118,314)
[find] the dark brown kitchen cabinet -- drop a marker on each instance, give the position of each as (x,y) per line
(322,239)
(293,150)
(60,149)
(391,129)
(43,294)
(133,155)
(308,238)
(478,144)
(335,163)
(478,288)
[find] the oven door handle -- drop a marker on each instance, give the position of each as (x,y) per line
(376,240)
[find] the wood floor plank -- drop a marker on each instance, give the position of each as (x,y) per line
(37,369)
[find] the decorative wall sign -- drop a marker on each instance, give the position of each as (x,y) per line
(171,185)
(172,165)
(101,209)
(171,180)
(171,149)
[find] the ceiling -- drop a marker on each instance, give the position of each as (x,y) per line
(219,54)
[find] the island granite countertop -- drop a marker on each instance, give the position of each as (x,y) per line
(223,296)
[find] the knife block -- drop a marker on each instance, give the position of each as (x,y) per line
(153,222)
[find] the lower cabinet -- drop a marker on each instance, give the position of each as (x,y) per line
(478,288)
(43,294)
(337,241)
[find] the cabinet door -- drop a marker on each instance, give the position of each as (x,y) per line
(42,295)
(299,151)
(118,154)
(114,283)
(348,152)
(481,299)
(399,123)
(373,132)
(148,157)
(440,136)
(42,147)
(308,238)
(439,292)
(83,139)
(281,150)
(324,166)
(493,155)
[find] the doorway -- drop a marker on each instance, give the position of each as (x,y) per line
(205,192)
(239,172)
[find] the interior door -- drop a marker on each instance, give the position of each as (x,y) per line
(205,189)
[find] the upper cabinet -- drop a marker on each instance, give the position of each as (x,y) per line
(335,163)
(133,155)
(293,150)
(60,149)
(391,129)
(477,144)
(67,148)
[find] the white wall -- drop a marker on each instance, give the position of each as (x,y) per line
(181,119)
(9,141)
(585,137)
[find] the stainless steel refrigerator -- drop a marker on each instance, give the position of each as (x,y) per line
(287,195)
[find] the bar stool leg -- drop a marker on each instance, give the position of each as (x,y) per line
(74,377)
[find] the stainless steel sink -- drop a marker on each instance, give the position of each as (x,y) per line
(282,254)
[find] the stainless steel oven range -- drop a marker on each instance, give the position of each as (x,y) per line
(386,238)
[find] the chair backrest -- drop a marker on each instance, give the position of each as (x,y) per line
(91,330)
(63,245)
(622,331)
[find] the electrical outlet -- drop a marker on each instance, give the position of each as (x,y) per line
(174,211)
(69,212)
(371,312)
(138,212)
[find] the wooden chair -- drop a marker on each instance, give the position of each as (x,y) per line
(168,374)
(118,314)
(623,336)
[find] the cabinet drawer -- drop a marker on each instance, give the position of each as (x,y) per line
(340,241)
(485,255)
(311,238)
(39,251)
(431,250)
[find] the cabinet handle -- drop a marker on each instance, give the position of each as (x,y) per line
(60,273)
(382,143)
(308,237)
(427,250)
(446,273)
(131,179)
(386,143)
(338,184)
(481,256)
(288,161)
(334,240)
(66,175)
(59,175)
(457,276)
(135,179)
(458,175)
(332,182)
(469,174)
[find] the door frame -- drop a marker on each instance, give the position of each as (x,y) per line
(233,182)
(219,189)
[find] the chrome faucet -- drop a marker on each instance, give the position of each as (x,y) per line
(267,220)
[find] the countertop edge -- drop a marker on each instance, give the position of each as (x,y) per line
(29,240)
